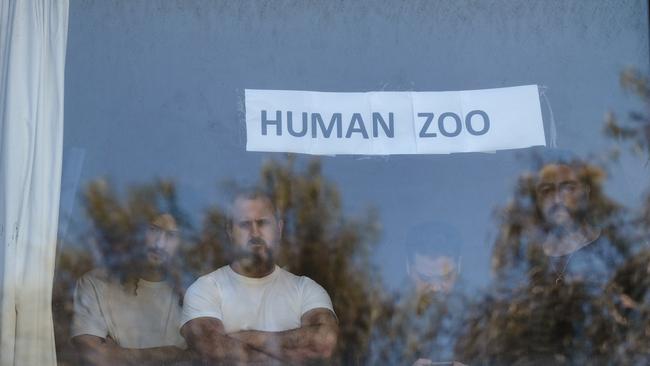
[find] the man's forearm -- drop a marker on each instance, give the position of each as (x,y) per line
(104,355)
(304,343)
(222,348)
(153,356)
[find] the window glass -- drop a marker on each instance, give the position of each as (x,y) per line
(521,256)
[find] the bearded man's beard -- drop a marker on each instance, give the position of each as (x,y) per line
(261,258)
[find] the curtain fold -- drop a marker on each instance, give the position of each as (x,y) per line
(33,35)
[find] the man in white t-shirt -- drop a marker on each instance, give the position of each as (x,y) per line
(128,314)
(253,311)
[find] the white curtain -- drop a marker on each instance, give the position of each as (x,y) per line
(33,35)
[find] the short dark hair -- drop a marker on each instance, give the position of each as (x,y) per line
(252,193)
(433,239)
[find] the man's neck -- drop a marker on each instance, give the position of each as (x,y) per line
(569,240)
(253,271)
(153,275)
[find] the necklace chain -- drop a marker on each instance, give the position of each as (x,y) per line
(560,274)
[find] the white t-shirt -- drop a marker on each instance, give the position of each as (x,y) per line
(273,303)
(102,307)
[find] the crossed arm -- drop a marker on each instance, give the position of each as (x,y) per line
(97,351)
(315,339)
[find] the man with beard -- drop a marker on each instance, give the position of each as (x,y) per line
(560,238)
(130,315)
(562,193)
(253,311)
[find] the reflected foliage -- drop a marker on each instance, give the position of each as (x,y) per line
(600,317)
(635,130)
(523,318)
(631,283)
(532,314)
(332,249)
(115,228)
(414,326)
(597,314)
(319,241)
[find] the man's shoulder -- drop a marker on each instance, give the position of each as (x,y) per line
(311,295)
(213,277)
(281,272)
(98,283)
(97,277)
(285,275)
(301,282)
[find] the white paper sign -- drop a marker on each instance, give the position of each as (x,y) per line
(385,123)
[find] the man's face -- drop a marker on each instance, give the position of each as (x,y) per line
(161,241)
(433,274)
(560,195)
(255,231)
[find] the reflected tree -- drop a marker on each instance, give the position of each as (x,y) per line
(631,285)
(319,241)
(523,318)
(543,307)
(414,326)
(635,130)
(526,318)
(115,225)
(333,249)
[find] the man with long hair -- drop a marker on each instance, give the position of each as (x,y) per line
(128,312)
(560,239)
(559,224)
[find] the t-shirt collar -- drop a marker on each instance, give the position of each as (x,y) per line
(260,280)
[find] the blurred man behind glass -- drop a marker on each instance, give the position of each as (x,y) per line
(253,311)
(128,312)
(560,238)
(432,307)
(433,257)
